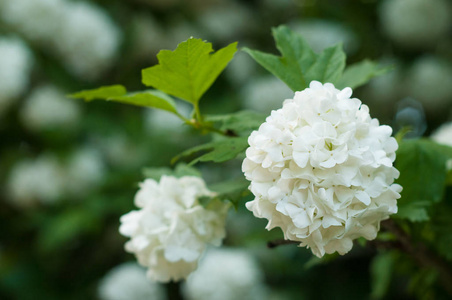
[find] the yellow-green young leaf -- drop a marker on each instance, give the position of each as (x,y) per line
(103,92)
(151,98)
(297,57)
(118,93)
(188,71)
(360,73)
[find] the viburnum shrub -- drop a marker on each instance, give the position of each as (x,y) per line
(320,168)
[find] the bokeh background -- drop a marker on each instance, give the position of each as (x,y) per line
(69,170)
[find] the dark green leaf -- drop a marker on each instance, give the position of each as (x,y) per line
(104,92)
(299,65)
(188,71)
(422,166)
(297,57)
(239,122)
(218,151)
(231,190)
(360,73)
(328,66)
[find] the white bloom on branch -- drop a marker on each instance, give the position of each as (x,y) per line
(321,170)
(171,230)
(443,135)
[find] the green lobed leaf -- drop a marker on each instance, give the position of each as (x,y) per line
(297,57)
(240,122)
(188,71)
(441,225)
(360,73)
(328,66)
(218,151)
(118,93)
(104,92)
(381,270)
(150,98)
(422,166)
(298,65)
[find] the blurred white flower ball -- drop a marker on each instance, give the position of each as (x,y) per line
(85,171)
(148,37)
(321,34)
(321,170)
(38,20)
(416,23)
(429,81)
(443,134)
(171,230)
(225,22)
(38,180)
(225,274)
(16,61)
(48,108)
(265,94)
(128,282)
(88,39)
(241,68)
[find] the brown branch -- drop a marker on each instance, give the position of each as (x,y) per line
(280,242)
(420,254)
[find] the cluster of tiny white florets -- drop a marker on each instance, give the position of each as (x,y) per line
(171,230)
(321,170)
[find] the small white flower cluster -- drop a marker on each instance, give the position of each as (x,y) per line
(416,23)
(171,230)
(46,179)
(16,62)
(225,274)
(47,108)
(321,170)
(82,35)
(128,282)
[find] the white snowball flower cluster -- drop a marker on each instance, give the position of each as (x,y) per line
(47,108)
(39,180)
(225,274)
(81,34)
(16,61)
(171,230)
(128,282)
(321,170)
(416,23)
